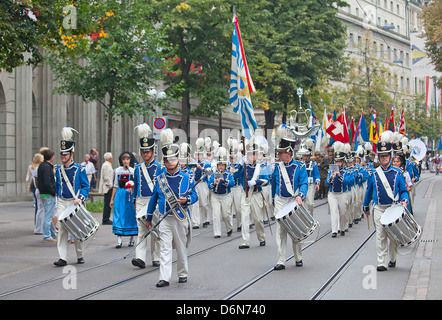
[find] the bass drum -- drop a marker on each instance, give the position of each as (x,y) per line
(296,221)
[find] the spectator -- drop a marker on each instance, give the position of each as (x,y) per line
(39,208)
(105,186)
(94,159)
(90,168)
(46,186)
(436,163)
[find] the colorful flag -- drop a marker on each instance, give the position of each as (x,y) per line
(241,84)
(402,128)
(352,131)
(338,130)
(373,129)
(440,143)
(391,126)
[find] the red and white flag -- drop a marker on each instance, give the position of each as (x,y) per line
(402,127)
(338,130)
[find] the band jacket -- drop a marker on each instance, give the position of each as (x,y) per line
(180,183)
(376,190)
(141,187)
(263,177)
(223,187)
(198,172)
(79,181)
(361,176)
(339,183)
(413,170)
(313,172)
(298,178)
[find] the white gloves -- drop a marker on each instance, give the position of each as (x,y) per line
(251,183)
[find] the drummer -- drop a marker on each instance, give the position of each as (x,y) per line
(144,181)
(383,198)
(287,171)
(72,186)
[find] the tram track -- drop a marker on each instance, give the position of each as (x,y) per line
(232,294)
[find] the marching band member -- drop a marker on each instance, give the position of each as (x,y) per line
(266,192)
(338,182)
(351,191)
(362,175)
(125,218)
(220,182)
(252,203)
(144,181)
(72,187)
(385,186)
(313,176)
(200,208)
(236,189)
(175,229)
(288,177)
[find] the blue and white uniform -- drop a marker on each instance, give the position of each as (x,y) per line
(298,186)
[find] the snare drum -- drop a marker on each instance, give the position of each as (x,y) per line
(296,221)
(79,222)
(400,225)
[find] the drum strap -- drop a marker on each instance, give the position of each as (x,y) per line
(386,184)
(286,178)
(146,176)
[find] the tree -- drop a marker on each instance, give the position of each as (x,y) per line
(112,59)
(198,33)
(304,42)
(432,20)
(25,27)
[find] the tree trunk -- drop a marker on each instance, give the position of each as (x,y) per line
(110,122)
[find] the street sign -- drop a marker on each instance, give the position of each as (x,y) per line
(159,124)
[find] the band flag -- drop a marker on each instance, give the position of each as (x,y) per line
(241,84)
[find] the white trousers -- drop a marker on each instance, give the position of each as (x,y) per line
(337,202)
(267,193)
(236,204)
(200,209)
(221,205)
(141,249)
(251,207)
(310,198)
(173,234)
(63,233)
(384,244)
(281,234)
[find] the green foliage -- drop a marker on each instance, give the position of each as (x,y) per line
(118,66)
(25,27)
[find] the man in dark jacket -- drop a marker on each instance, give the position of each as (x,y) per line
(46,185)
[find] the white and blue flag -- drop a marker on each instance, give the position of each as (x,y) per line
(241,85)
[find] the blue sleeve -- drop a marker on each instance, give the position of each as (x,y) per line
(84,185)
(136,180)
(152,202)
(327,181)
(275,178)
(316,176)
(368,193)
(402,188)
(303,183)
(192,197)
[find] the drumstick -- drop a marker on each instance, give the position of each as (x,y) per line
(368,222)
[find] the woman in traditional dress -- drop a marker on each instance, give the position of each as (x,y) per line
(124,216)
